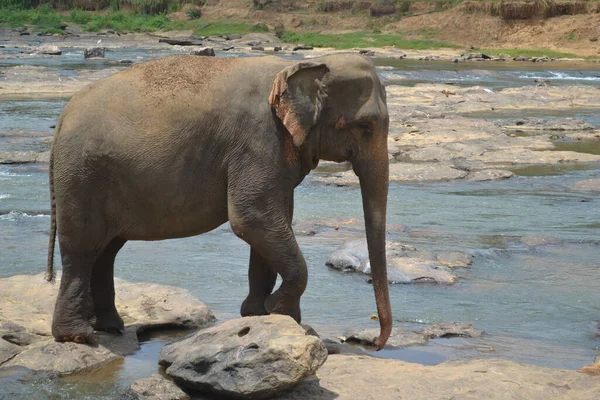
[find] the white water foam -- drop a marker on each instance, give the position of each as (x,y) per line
(561,76)
(15,215)
(4,196)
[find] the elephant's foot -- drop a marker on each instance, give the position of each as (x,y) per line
(109,322)
(253,306)
(82,333)
(278,303)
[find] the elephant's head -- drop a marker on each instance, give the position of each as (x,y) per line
(334,108)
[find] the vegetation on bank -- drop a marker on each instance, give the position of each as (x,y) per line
(361,39)
(46,19)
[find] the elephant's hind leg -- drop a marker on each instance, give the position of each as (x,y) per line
(104,313)
(261,277)
(70,322)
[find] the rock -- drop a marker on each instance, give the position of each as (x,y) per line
(398,338)
(277,48)
(23,157)
(302,47)
(381,8)
(591,370)
(94,52)
(455,259)
(181,42)
(156,387)
(489,175)
(429,58)
(233,36)
(586,185)
(406,264)
(48,49)
(27,304)
(252,357)
(365,377)
(452,329)
(8,350)
(257,48)
(204,51)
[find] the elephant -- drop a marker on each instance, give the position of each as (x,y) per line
(177,146)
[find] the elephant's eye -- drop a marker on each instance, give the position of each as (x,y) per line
(364,126)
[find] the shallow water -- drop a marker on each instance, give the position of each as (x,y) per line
(491,74)
(537,305)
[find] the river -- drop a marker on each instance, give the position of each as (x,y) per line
(537,305)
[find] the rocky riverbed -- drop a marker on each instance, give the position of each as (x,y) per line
(494,191)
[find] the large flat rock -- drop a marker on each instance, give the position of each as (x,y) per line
(26,308)
(346,377)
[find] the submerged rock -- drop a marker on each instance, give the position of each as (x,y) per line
(406,264)
(452,329)
(252,357)
(586,185)
(455,259)
(156,387)
(27,305)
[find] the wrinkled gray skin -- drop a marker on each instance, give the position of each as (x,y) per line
(176,147)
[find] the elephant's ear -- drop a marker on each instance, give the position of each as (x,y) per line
(297,97)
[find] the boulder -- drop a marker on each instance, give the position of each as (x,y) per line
(233,36)
(336,6)
(49,49)
(156,387)
(257,48)
(252,357)
(94,52)
(381,8)
(406,264)
(204,51)
(27,305)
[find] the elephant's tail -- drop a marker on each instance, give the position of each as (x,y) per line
(52,237)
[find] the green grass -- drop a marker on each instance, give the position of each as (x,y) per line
(530,53)
(119,21)
(361,39)
(43,17)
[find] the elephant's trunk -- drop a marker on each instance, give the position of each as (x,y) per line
(374,177)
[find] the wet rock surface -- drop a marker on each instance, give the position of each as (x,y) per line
(406,264)
(26,308)
(478,379)
(252,357)
(405,337)
(156,387)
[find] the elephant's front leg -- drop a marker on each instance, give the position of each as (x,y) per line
(263,221)
(261,277)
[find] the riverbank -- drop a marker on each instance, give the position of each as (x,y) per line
(429,25)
